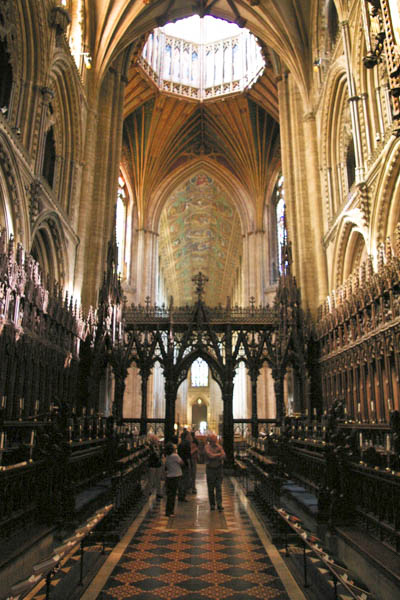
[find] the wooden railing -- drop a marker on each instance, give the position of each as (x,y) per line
(348,489)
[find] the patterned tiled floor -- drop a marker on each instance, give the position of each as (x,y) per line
(198,555)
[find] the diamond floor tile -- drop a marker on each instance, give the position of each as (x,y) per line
(197,555)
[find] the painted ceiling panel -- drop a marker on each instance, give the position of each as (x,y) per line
(200,231)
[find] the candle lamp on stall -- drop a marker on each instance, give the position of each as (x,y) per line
(70,432)
(36,410)
(31,445)
(3,441)
(21,408)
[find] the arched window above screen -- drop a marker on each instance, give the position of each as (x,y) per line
(199,373)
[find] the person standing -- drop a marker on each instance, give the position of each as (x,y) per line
(173,475)
(214,459)
(194,460)
(184,451)
(155,465)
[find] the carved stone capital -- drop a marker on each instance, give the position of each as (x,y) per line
(59,19)
(47,94)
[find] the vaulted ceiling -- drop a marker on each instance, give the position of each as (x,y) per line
(282,25)
(165,134)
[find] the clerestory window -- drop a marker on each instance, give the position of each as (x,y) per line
(202,58)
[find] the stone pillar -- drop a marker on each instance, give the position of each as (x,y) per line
(313,222)
(301,171)
(255,267)
(144,266)
(99,181)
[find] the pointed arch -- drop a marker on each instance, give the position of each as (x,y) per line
(13,202)
(68,129)
(386,209)
(350,251)
(335,136)
(49,248)
(189,359)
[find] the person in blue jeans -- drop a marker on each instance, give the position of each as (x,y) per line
(173,475)
(214,458)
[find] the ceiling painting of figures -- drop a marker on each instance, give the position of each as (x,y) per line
(200,231)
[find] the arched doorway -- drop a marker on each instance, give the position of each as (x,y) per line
(199,415)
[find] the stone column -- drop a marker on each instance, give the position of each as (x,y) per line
(255,266)
(301,171)
(144,266)
(99,181)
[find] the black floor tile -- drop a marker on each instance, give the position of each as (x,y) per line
(154,571)
(195,571)
(194,585)
(149,584)
(235,571)
(239,585)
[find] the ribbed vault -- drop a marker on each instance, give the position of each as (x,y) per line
(162,133)
(166,131)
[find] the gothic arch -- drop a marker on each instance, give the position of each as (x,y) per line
(210,360)
(270,224)
(386,208)
(336,133)
(350,251)
(368,82)
(49,249)
(126,171)
(13,201)
(324,39)
(29,48)
(68,128)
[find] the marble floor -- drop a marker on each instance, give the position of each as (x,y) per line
(197,555)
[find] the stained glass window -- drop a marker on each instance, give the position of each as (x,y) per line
(199,373)
(280,218)
(121,222)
